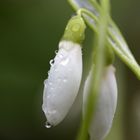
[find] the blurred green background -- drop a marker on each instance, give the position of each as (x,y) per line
(29,33)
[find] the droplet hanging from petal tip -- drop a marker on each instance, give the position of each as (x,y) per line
(48,125)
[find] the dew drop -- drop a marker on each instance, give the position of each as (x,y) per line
(64,62)
(48,72)
(45,81)
(56,51)
(61,56)
(51,62)
(48,125)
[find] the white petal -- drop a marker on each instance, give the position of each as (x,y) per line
(62,85)
(106,104)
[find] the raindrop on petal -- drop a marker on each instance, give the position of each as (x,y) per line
(64,62)
(56,51)
(51,62)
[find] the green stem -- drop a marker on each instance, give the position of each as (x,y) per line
(115,42)
(99,62)
(132,64)
(112,38)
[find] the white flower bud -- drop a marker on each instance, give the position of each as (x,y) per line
(106,104)
(62,85)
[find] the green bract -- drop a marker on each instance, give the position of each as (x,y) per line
(75,30)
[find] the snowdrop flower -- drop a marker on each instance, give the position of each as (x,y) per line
(62,85)
(106,104)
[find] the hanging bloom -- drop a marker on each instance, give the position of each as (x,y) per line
(62,85)
(106,104)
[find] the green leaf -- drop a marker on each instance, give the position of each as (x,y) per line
(115,38)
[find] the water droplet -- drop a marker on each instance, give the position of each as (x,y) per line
(64,62)
(48,125)
(51,62)
(60,55)
(56,51)
(48,72)
(45,81)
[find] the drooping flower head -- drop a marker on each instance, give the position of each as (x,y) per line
(106,103)
(62,85)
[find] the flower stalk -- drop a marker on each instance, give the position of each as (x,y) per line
(98,62)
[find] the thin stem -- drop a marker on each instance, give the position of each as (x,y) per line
(85,11)
(99,62)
